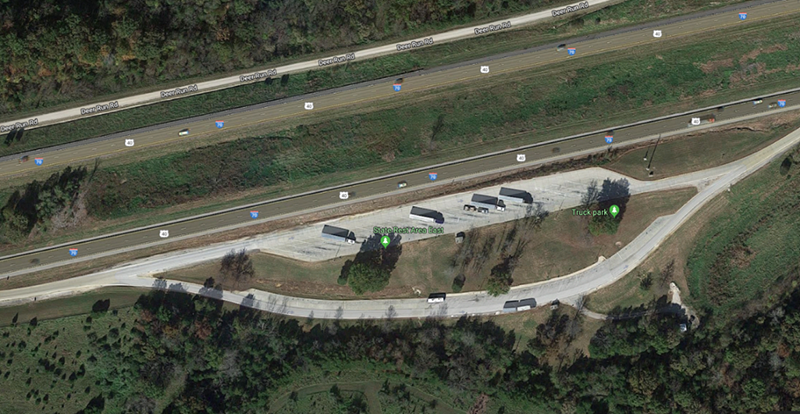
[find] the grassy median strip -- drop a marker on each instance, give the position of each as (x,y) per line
(623,14)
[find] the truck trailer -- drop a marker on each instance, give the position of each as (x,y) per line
(424,214)
(338,234)
(492,203)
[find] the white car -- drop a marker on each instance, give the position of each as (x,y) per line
(184,132)
(757,101)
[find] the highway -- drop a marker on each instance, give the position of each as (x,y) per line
(146,139)
(260,75)
(565,289)
(53,256)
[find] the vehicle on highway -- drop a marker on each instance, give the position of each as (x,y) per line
(436,297)
(773,105)
(757,101)
(468,207)
(402,184)
(184,132)
(561,47)
(24,158)
(483,210)
(398,81)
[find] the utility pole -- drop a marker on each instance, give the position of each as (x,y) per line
(653,155)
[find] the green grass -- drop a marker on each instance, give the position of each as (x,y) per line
(752,246)
(73,305)
(626,13)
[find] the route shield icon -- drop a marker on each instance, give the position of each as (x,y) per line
(38,161)
(254,214)
(656,33)
(128,142)
(397,87)
(571,51)
(609,139)
(73,252)
(163,234)
(309,105)
(742,16)
(344,195)
(432,176)
(484,69)
(520,157)
(781,103)
(219,124)
(695,121)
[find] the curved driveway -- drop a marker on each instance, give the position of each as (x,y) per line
(566,288)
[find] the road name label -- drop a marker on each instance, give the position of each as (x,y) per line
(337,59)
(408,230)
(570,9)
(492,28)
(258,75)
(179,91)
(100,108)
(424,42)
(18,125)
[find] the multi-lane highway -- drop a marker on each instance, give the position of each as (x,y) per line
(536,153)
(560,149)
(567,10)
(147,138)
(565,288)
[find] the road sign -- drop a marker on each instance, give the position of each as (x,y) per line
(520,157)
(695,121)
(742,16)
(309,105)
(571,51)
(344,195)
(254,214)
(163,234)
(432,176)
(73,252)
(781,103)
(397,87)
(656,33)
(609,139)
(484,69)
(38,161)
(219,124)
(128,142)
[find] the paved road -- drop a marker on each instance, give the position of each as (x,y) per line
(108,245)
(255,76)
(566,288)
(147,138)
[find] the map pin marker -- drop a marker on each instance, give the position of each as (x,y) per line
(614,210)
(385,241)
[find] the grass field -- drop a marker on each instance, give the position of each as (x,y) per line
(475,119)
(74,305)
(562,245)
(625,13)
(742,246)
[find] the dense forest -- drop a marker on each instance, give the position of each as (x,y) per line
(202,358)
(54,51)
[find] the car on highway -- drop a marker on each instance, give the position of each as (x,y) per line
(561,47)
(24,158)
(398,81)
(402,184)
(483,210)
(757,101)
(184,132)
(436,297)
(773,105)
(468,207)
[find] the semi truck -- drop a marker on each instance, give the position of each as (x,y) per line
(519,305)
(338,234)
(424,214)
(489,202)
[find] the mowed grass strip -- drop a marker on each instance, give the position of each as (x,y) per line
(561,246)
(619,15)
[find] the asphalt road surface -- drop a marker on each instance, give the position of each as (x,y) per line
(565,289)
(254,76)
(147,138)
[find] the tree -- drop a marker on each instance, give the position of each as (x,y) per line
(367,277)
(237,266)
(612,193)
(499,282)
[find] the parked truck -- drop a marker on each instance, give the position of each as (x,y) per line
(492,203)
(338,234)
(424,214)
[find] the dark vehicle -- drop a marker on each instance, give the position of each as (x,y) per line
(561,47)
(398,81)
(483,210)
(436,297)
(24,159)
